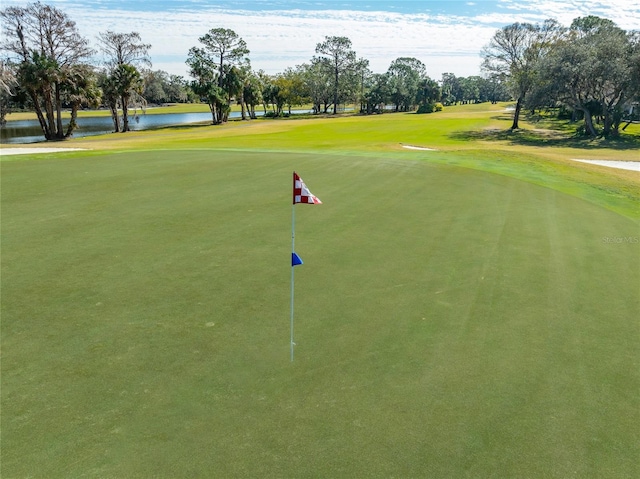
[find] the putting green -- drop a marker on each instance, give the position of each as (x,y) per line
(449,322)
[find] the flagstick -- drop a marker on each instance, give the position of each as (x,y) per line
(293,249)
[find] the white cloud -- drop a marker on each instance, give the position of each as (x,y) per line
(278,40)
(625,13)
(285,38)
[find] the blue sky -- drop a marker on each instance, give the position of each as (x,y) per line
(446,36)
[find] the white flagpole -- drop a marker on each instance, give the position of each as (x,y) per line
(293,249)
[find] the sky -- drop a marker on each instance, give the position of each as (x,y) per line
(447,36)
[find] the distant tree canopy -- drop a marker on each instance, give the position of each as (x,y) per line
(590,69)
(514,53)
(339,62)
(219,69)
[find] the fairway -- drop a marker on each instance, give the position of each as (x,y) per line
(450,322)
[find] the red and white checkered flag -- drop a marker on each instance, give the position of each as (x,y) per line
(301,193)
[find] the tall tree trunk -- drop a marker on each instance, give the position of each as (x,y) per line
(588,121)
(225,109)
(41,119)
(114,117)
(48,107)
(243,107)
(72,122)
(212,109)
(608,124)
(125,113)
(58,107)
(335,93)
(516,114)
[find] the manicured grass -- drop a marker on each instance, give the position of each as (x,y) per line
(450,322)
(473,136)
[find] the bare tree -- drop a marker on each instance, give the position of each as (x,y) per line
(124,48)
(7,86)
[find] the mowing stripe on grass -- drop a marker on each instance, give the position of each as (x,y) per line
(450,322)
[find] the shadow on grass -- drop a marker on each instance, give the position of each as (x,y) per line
(503,117)
(552,138)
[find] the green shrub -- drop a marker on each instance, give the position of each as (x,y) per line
(427,108)
(430,107)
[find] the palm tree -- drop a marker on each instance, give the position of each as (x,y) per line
(81,88)
(38,76)
(129,85)
(110,97)
(232,83)
(124,51)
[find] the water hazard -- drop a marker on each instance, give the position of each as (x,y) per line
(29,131)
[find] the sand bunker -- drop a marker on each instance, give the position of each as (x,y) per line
(30,151)
(623,165)
(410,147)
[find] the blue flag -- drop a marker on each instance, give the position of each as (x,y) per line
(295,260)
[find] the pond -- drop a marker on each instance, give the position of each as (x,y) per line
(29,131)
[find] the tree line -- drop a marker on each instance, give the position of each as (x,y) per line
(591,69)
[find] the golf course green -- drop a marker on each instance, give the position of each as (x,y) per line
(466,311)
